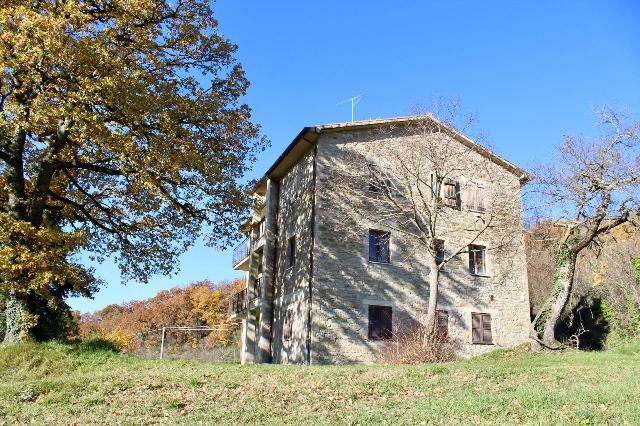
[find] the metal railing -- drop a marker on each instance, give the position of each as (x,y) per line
(241,252)
(238,302)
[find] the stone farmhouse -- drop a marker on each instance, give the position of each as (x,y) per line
(318,295)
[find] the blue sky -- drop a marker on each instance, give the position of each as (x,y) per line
(531,73)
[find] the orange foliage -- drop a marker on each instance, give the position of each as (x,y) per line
(199,304)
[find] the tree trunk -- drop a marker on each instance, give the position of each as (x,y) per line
(16,317)
(563,282)
(434,275)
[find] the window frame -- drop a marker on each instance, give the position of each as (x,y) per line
(484,319)
(379,333)
(379,255)
(473,251)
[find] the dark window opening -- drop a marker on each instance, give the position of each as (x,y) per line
(287,327)
(379,246)
(477,260)
(442,323)
(439,246)
(291,252)
(380,322)
(481,328)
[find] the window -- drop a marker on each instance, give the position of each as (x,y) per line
(287,326)
(481,328)
(442,323)
(475,197)
(477,257)
(439,251)
(451,193)
(291,252)
(379,246)
(380,322)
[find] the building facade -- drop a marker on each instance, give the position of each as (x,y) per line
(318,292)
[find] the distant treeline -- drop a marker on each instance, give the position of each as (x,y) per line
(131,324)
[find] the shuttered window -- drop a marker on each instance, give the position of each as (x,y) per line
(287,327)
(380,322)
(442,323)
(475,198)
(291,252)
(477,260)
(481,328)
(379,246)
(451,193)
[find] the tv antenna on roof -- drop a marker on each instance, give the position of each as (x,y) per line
(354,100)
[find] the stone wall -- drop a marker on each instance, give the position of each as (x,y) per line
(292,283)
(346,282)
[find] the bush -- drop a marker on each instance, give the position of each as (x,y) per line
(96,345)
(414,345)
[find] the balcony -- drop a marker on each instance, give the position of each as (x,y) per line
(238,302)
(241,256)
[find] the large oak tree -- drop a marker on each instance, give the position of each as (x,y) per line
(122,134)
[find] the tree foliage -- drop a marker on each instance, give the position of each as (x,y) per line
(121,133)
(199,304)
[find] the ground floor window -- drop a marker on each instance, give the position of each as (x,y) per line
(481,328)
(380,322)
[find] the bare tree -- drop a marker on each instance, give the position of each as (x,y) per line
(427,183)
(591,188)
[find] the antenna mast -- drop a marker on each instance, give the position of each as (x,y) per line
(354,100)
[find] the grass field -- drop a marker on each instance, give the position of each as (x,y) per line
(62,384)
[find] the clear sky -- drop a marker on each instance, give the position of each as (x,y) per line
(531,73)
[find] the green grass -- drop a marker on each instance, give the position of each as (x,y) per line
(55,383)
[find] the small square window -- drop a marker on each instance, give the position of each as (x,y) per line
(477,260)
(379,246)
(380,322)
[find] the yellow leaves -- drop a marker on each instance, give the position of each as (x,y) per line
(32,259)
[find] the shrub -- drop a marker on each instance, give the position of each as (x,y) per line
(414,345)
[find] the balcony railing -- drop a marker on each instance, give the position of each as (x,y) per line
(261,229)
(241,252)
(238,302)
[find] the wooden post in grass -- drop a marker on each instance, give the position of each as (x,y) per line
(164,332)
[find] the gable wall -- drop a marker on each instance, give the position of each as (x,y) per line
(345,282)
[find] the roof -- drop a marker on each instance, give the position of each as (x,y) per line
(307,137)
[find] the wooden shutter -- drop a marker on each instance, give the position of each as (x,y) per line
(481,328)
(476,328)
(486,329)
(480,198)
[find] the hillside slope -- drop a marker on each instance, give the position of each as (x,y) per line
(54,383)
